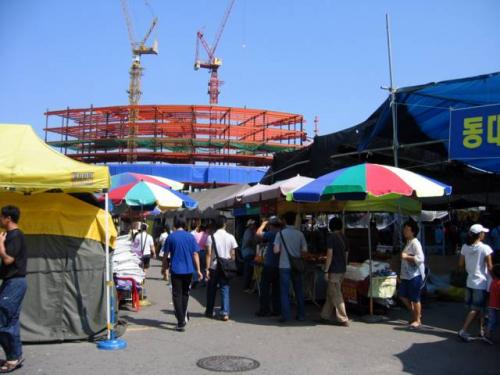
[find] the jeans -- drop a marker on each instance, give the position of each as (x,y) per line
(217,280)
(270,282)
(248,271)
(12,293)
(334,299)
(180,296)
(286,275)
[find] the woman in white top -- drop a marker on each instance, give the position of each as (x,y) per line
(475,256)
(412,273)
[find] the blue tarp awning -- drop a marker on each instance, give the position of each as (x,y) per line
(424,112)
(195,174)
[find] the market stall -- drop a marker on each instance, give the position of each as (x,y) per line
(30,167)
(368,181)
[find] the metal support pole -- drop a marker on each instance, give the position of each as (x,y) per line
(393,91)
(370,288)
(111,342)
(108,273)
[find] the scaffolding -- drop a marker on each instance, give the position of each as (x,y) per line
(174,134)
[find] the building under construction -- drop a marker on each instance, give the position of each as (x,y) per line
(174,134)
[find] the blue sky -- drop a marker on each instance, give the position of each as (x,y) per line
(318,57)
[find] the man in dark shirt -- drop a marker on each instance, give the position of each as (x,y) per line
(270,282)
(13,256)
(335,268)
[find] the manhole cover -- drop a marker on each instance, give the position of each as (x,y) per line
(227,363)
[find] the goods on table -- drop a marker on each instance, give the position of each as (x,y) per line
(360,271)
(126,263)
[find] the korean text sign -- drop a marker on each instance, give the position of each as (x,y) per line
(475,133)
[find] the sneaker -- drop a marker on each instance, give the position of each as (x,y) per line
(224,318)
(487,340)
(464,336)
(180,328)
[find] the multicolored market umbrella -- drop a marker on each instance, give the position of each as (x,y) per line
(145,194)
(356,182)
(364,181)
(128,178)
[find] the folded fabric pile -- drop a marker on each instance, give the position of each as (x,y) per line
(358,272)
(126,263)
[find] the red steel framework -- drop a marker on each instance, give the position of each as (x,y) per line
(174,134)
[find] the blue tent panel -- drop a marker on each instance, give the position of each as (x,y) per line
(195,174)
(428,106)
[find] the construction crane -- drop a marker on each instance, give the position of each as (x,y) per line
(134,91)
(212,63)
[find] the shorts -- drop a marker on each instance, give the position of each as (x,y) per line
(145,261)
(410,289)
(475,299)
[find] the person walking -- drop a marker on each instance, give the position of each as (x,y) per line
(412,273)
(161,241)
(144,246)
(223,245)
(475,256)
(248,251)
(13,255)
(200,235)
(270,281)
(290,242)
(335,268)
(183,251)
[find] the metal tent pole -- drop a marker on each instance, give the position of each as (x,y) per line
(111,342)
(108,273)
(370,288)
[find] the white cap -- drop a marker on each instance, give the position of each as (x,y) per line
(478,228)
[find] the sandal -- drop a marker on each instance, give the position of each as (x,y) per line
(9,366)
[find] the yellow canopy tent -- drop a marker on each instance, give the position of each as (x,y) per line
(27,164)
(65,237)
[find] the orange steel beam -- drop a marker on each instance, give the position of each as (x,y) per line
(188,124)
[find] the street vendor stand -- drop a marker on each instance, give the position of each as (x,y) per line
(29,166)
(357,288)
(360,183)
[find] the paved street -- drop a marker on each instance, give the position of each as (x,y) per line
(300,348)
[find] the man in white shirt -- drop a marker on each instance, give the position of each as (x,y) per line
(225,245)
(144,246)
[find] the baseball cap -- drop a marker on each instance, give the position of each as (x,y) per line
(478,228)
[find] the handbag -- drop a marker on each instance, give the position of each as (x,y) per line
(296,263)
(227,266)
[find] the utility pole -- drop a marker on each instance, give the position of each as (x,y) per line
(392,90)
(316,126)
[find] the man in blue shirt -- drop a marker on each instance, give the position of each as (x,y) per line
(183,251)
(270,282)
